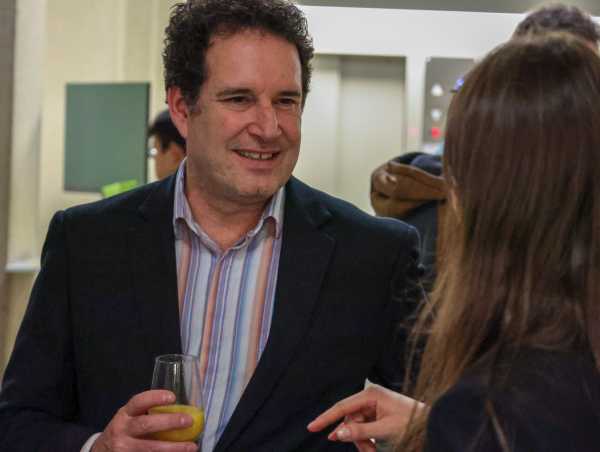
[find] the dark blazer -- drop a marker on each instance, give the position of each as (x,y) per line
(105,304)
(548,402)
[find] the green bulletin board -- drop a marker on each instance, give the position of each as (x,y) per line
(105,136)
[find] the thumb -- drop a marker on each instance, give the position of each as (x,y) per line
(365,446)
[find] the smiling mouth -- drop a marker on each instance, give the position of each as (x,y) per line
(257,155)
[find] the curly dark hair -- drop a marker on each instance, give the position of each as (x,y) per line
(194,23)
(559,17)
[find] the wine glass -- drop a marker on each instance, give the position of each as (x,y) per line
(180,374)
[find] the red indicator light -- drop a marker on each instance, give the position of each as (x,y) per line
(436,133)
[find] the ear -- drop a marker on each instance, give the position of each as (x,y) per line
(179,110)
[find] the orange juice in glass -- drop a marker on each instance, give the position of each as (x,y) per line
(180,374)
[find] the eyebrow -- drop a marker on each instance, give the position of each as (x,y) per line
(233,92)
(291,94)
(245,91)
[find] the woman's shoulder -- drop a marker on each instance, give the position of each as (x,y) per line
(538,401)
(543,380)
(457,420)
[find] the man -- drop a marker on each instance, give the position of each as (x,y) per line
(168,146)
(291,298)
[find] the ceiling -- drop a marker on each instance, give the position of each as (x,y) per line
(493,6)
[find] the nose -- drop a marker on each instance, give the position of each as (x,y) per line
(266,123)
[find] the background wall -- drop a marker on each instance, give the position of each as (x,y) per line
(352,123)
(23,217)
(7,49)
(60,41)
(110,41)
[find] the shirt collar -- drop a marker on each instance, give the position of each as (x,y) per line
(182,212)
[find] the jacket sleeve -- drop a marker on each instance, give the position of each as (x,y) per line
(38,400)
(405,295)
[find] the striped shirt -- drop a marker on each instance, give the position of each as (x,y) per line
(225,303)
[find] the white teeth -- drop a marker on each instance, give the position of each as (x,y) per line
(256,155)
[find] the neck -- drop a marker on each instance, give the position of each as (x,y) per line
(224,222)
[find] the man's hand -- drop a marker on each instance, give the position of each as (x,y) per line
(373,414)
(129,429)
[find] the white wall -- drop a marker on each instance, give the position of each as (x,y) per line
(413,34)
(91,41)
(23,242)
(8,15)
(319,148)
(27,119)
(60,41)
(353,121)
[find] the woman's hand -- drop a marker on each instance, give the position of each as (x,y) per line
(373,415)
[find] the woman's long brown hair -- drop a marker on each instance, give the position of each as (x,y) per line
(520,268)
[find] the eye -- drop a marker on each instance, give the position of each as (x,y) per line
(238,100)
(287,102)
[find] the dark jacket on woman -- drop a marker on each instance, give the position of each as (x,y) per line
(544,402)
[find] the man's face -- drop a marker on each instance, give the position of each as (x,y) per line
(243,136)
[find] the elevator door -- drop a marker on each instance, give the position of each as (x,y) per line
(353,122)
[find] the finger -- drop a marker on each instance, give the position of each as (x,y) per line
(365,446)
(346,434)
(381,430)
(355,403)
(151,423)
(332,436)
(367,414)
(144,445)
(142,402)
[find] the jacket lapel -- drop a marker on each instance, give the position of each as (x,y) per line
(154,272)
(304,258)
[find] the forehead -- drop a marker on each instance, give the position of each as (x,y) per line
(253,56)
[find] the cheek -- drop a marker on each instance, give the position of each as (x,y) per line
(232,129)
(234,120)
(291,126)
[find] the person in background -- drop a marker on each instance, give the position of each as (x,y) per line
(511,361)
(168,146)
(411,187)
(559,17)
(289,297)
